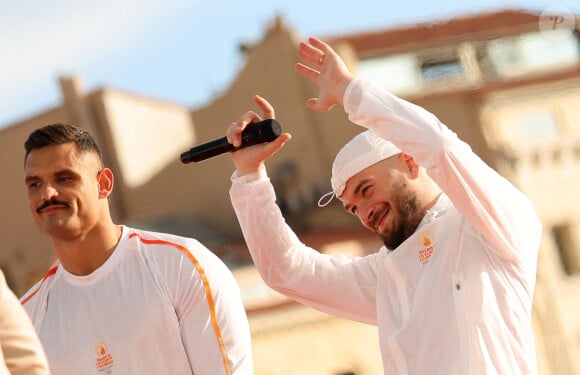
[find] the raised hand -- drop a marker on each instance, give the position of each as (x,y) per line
(325,69)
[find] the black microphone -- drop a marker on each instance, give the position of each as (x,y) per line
(261,132)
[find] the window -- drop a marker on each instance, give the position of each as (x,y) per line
(432,71)
(441,63)
(396,73)
(537,126)
(516,56)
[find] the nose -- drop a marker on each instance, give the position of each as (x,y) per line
(366,215)
(48,192)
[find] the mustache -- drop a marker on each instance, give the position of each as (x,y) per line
(52,202)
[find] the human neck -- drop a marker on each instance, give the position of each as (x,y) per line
(84,253)
(433,200)
(429,192)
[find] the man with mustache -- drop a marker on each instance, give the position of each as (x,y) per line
(120,300)
(451,291)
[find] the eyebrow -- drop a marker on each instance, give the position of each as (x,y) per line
(356,191)
(360,185)
(30,178)
(57,173)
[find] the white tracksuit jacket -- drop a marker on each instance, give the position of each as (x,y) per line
(161,304)
(456,297)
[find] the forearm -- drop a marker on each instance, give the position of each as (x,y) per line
(264,229)
(337,285)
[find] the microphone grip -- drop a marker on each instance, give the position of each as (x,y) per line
(261,132)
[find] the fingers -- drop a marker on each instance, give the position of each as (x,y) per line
(267,109)
(321,67)
(314,52)
(319,45)
(316,105)
(307,72)
(234,132)
(258,154)
(311,55)
(326,69)
(272,147)
(251,159)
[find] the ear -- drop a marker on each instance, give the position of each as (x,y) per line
(410,164)
(105,180)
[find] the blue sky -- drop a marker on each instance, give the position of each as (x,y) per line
(182,51)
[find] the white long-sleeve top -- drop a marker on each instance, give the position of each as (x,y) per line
(456,296)
(161,304)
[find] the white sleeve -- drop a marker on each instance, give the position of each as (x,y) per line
(493,206)
(21,350)
(212,318)
(337,285)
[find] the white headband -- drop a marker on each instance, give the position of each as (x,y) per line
(359,153)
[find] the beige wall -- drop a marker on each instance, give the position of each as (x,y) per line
(297,340)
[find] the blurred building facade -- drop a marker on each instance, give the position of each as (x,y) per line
(506,82)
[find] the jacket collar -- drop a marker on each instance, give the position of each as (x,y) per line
(439,208)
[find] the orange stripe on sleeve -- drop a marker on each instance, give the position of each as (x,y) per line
(208,293)
(50,272)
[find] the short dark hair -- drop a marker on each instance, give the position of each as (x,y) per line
(57,134)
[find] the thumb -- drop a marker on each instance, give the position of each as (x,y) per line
(316,105)
(312,103)
(272,147)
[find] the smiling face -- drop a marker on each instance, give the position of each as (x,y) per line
(384,199)
(66,190)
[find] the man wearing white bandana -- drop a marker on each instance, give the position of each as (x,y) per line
(451,291)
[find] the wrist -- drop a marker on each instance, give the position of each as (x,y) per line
(246,170)
(250,177)
(341,87)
